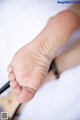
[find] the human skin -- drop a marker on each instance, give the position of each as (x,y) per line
(30,64)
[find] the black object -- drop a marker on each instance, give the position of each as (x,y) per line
(6,86)
(54,68)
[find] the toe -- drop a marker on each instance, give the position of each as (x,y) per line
(10,68)
(13,83)
(11,76)
(17,89)
(25,95)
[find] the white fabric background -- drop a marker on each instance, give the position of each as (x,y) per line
(20,22)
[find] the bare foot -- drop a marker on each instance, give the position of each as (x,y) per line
(30,64)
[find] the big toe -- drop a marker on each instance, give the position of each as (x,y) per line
(25,95)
